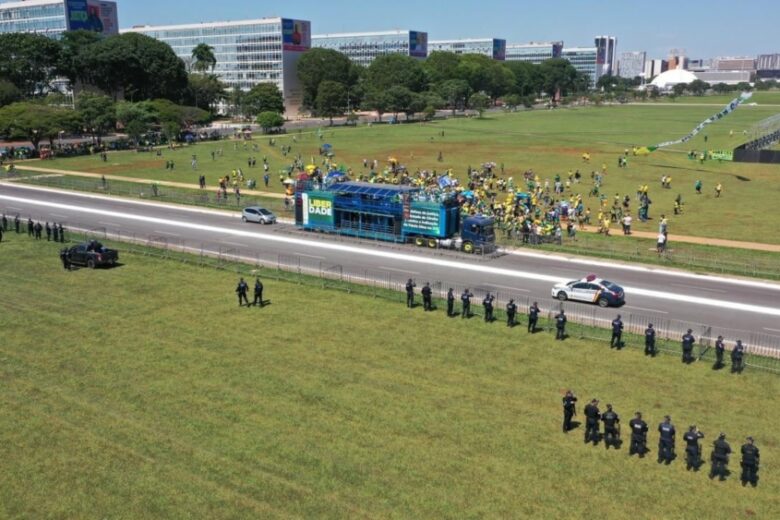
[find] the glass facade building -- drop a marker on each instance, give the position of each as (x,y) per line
(53,17)
(492,47)
(583,59)
(534,52)
(632,64)
(248,52)
(363,48)
(606,59)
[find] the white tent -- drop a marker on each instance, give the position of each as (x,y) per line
(670,78)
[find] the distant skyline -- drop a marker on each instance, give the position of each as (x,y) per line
(702,29)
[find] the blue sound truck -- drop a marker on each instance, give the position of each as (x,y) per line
(392,213)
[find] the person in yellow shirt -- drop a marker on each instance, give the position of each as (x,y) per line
(718,189)
(606,226)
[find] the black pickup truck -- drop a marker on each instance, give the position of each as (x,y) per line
(92,254)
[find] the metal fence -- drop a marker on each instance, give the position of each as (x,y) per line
(762,350)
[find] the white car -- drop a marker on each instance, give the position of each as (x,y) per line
(591,290)
(258,214)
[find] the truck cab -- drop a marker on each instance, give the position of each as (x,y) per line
(477,232)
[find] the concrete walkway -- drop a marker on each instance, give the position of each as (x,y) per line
(756,246)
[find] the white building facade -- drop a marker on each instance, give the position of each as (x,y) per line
(363,48)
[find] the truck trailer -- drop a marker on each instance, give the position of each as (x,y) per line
(394,213)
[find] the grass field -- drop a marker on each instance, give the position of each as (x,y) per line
(548,142)
(145,392)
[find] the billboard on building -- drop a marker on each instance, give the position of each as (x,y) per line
(557,49)
(499,49)
(418,44)
(92,15)
(318,209)
(296,35)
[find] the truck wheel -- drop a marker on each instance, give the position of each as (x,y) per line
(432,243)
(468,247)
(419,242)
(603,302)
(562,296)
(91,263)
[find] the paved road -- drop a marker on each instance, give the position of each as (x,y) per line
(724,303)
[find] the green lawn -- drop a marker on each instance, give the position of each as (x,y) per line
(548,142)
(145,392)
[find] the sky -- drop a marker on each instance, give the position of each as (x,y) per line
(702,28)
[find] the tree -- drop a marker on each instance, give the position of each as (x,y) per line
(36,122)
(331,99)
(318,65)
(141,67)
(500,80)
(74,47)
(441,66)
(97,113)
(204,90)
(475,70)
(390,70)
(9,93)
(269,120)
(528,77)
(455,93)
(558,75)
(376,99)
(721,88)
(698,87)
(264,97)
(398,99)
(743,86)
(203,58)
(28,61)
(479,102)
(512,101)
(136,118)
(236,99)
(417,104)
(679,89)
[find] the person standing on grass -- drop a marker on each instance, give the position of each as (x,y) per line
(241,290)
(533,317)
(692,448)
(465,300)
(666,441)
(5,223)
(450,303)
(750,458)
(410,285)
(511,312)
(30,228)
(17,224)
(560,326)
(569,410)
(627,224)
(1,233)
(38,231)
(611,422)
(258,292)
(650,341)
(698,186)
(617,333)
(638,436)
(661,243)
(592,416)
(687,347)
(62,234)
(427,297)
(737,358)
(718,189)
(720,349)
(720,458)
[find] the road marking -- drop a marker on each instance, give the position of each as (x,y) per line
(698,288)
(505,287)
(110,223)
(644,309)
(401,257)
(15,208)
(59,215)
(771,330)
(164,233)
(236,244)
(405,271)
(311,256)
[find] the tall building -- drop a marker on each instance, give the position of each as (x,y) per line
(584,60)
(248,52)
(492,47)
(768,66)
(53,17)
(606,59)
(733,64)
(655,67)
(534,52)
(632,64)
(363,48)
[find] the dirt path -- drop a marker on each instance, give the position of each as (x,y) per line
(756,246)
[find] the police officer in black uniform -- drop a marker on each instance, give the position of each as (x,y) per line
(1,233)
(241,290)
(48,232)
(38,228)
(592,416)
(650,340)
(638,435)
(17,224)
(465,300)
(533,317)
(692,448)
(62,234)
(617,333)
(687,347)
(611,422)
(720,348)
(511,312)
(5,223)
(258,292)
(569,410)
(450,303)
(410,285)
(560,325)
(737,358)
(427,297)
(30,228)
(65,257)
(487,304)
(720,457)
(750,458)
(666,441)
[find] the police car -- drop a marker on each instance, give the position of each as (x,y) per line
(590,289)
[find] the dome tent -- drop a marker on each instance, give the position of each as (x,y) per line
(670,78)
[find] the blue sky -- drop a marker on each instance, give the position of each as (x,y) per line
(704,28)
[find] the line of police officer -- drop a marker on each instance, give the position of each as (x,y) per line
(666,440)
(34,229)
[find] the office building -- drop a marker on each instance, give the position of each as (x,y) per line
(655,67)
(534,52)
(729,77)
(492,47)
(584,60)
(363,48)
(53,17)
(699,65)
(768,66)
(606,58)
(632,64)
(248,52)
(731,64)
